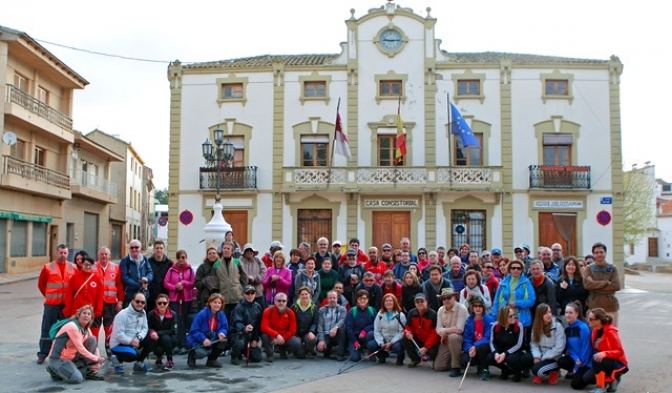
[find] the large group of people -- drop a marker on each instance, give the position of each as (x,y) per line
(456,309)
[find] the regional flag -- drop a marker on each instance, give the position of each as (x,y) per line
(400,151)
(460,127)
(341,145)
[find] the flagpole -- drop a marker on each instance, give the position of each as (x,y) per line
(450,137)
(333,147)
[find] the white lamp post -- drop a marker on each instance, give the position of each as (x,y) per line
(220,153)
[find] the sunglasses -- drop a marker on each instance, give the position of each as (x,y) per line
(592,319)
(477,306)
(515,268)
(488,267)
(182,257)
(139,301)
(422,253)
(512,316)
(134,247)
(250,293)
(337,246)
(386,250)
(162,303)
(555,249)
(280,301)
(420,301)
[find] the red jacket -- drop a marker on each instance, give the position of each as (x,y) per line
(423,327)
(81,292)
(274,323)
(492,283)
(361,258)
(377,270)
(267,259)
(395,290)
(609,343)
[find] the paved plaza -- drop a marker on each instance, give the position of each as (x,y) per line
(646,306)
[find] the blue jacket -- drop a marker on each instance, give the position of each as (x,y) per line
(132,272)
(524,298)
(362,321)
(468,336)
(455,279)
(200,328)
(578,344)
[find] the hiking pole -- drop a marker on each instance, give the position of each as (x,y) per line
(203,346)
(424,358)
(465,373)
(247,354)
(344,369)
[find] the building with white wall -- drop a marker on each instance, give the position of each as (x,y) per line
(538,177)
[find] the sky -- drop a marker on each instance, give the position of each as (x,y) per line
(131,98)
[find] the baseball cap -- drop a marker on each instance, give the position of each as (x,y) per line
(351,251)
(249,288)
(249,246)
(276,244)
(336,243)
(419,296)
(497,251)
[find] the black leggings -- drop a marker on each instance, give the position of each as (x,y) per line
(607,366)
(567,363)
(481,358)
(513,364)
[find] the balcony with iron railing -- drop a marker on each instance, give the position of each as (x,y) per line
(455,178)
(560,177)
(230,178)
(35,106)
(90,186)
(34,179)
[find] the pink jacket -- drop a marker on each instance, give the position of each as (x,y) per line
(279,286)
(175,275)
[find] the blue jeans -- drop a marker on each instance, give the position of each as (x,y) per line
(50,316)
(355,356)
(396,348)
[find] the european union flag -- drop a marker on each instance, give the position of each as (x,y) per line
(460,127)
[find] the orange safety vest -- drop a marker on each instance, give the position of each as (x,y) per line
(109,277)
(57,284)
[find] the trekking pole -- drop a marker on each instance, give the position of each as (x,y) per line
(422,357)
(344,369)
(203,346)
(247,354)
(465,373)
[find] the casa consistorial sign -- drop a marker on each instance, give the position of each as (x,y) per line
(391,203)
(558,204)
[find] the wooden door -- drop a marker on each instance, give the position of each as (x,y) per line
(238,221)
(653,247)
(390,227)
(549,233)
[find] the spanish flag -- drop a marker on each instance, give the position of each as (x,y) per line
(400,150)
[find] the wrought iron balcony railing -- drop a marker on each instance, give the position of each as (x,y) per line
(560,177)
(24,100)
(237,177)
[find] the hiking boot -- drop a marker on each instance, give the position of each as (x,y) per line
(340,358)
(283,354)
(569,375)
(598,390)
(613,386)
(142,367)
(269,358)
(553,377)
(400,361)
(119,369)
(169,365)
(191,360)
(504,375)
(53,375)
(213,364)
(517,377)
(413,364)
(93,376)
(235,361)
(381,361)
(159,361)
(526,374)
(310,355)
(485,375)
(537,380)
(455,372)
(41,358)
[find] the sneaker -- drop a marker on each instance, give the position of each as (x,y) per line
(93,376)
(537,380)
(340,358)
(598,390)
(613,386)
(381,361)
(553,377)
(235,361)
(169,365)
(191,360)
(399,362)
(213,364)
(517,377)
(526,374)
(310,355)
(569,375)
(269,359)
(41,358)
(504,376)
(413,364)
(113,360)
(53,375)
(159,361)
(119,369)
(141,366)
(485,375)
(455,372)
(283,354)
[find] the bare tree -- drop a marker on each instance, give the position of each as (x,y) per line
(640,204)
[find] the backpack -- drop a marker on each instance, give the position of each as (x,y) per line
(57,326)
(398,319)
(371,311)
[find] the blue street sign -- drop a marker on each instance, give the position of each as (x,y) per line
(606,201)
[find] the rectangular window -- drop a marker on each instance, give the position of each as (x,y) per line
(557,149)
(232,90)
(387,146)
(19,238)
(556,87)
(314,89)
(21,82)
(667,187)
(471,155)
(39,156)
(469,87)
(390,88)
(315,150)
(43,95)
(18,150)
(39,246)
(469,226)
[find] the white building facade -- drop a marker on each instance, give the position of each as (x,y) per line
(548,170)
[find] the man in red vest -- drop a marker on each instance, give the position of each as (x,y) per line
(53,284)
(113,295)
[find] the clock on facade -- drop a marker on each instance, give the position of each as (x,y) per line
(390,39)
